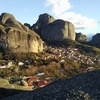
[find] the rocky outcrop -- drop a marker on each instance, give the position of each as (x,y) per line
(3,82)
(28,25)
(50,29)
(58,31)
(7,89)
(43,20)
(81,37)
(81,87)
(96,40)
(16,37)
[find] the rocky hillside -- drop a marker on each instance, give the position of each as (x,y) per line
(58,31)
(43,20)
(81,87)
(96,40)
(81,37)
(16,37)
(53,30)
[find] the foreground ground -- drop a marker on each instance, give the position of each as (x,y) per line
(81,87)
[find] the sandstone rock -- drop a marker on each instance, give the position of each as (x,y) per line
(3,82)
(58,31)
(10,20)
(5,16)
(16,37)
(81,37)
(24,83)
(28,25)
(43,20)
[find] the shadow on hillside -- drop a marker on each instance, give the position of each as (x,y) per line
(4,93)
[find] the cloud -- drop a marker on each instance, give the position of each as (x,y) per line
(79,21)
(98,22)
(58,6)
(59,9)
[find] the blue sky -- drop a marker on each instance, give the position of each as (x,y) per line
(84,14)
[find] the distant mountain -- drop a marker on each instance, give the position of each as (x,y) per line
(81,87)
(81,37)
(95,40)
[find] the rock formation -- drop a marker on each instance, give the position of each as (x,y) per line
(96,40)
(43,20)
(7,89)
(50,29)
(81,87)
(81,37)
(28,25)
(16,37)
(58,31)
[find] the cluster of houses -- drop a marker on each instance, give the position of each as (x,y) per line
(33,82)
(36,81)
(70,53)
(73,54)
(5,64)
(60,53)
(10,63)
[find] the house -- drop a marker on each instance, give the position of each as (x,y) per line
(41,83)
(10,64)
(20,63)
(83,69)
(40,74)
(32,79)
(3,66)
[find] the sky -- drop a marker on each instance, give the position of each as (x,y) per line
(84,14)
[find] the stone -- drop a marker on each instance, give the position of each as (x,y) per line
(43,20)
(3,82)
(81,37)
(58,30)
(28,25)
(96,40)
(16,37)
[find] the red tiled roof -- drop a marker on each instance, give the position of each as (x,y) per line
(42,83)
(33,79)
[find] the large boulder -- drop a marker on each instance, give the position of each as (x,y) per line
(16,37)
(43,20)
(58,30)
(28,25)
(3,82)
(81,37)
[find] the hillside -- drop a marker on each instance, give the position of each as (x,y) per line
(47,47)
(81,87)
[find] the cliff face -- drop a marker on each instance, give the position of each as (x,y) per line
(81,37)
(53,30)
(43,20)
(58,31)
(16,37)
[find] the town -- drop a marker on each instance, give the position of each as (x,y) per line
(60,54)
